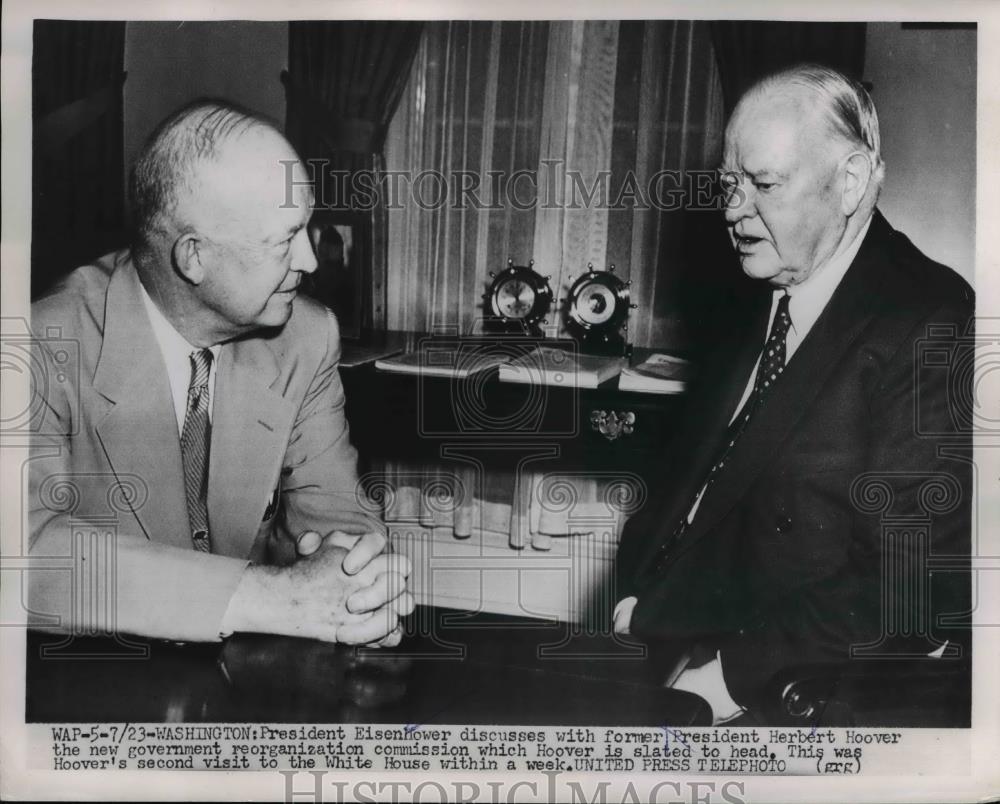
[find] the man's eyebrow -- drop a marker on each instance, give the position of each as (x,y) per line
(282,236)
(766,174)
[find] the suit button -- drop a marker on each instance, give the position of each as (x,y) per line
(784,524)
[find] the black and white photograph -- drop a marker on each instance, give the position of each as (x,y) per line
(499,405)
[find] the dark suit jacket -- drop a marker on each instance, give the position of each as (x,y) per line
(782,564)
(109,537)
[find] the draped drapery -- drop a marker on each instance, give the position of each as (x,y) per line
(474,104)
(527,113)
(458,523)
(678,242)
(748,50)
(77,155)
(518,508)
(343,83)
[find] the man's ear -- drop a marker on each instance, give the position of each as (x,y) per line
(857,176)
(187,258)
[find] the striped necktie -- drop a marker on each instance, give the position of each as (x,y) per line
(196,438)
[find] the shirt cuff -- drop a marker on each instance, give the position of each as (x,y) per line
(625,601)
(225,624)
(623,611)
(708,682)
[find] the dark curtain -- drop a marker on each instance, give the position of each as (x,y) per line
(747,51)
(343,83)
(77,156)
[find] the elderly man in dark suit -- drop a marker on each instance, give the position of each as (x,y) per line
(192,474)
(769,553)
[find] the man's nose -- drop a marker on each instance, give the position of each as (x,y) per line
(739,200)
(303,256)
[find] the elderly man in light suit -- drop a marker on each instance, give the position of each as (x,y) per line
(763,555)
(208,407)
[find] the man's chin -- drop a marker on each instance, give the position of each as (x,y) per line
(277,312)
(757,268)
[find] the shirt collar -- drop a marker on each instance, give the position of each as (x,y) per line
(175,347)
(808,298)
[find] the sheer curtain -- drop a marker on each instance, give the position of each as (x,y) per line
(545,106)
(548,105)
(473,105)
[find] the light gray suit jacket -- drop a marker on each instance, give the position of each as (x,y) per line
(110,544)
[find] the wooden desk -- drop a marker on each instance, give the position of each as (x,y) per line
(452,668)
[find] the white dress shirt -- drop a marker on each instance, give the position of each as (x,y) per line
(806,302)
(176,353)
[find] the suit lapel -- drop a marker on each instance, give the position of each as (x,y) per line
(251,424)
(726,384)
(139,429)
(848,312)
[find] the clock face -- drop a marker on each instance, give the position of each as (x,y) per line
(597,304)
(515,298)
(519,296)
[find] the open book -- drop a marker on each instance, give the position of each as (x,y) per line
(549,366)
(657,374)
(447,360)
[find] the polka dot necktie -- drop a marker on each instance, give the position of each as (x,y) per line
(769,369)
(195,440)
(772,364)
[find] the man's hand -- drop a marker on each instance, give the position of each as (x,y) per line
(362,549)
(318,598)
